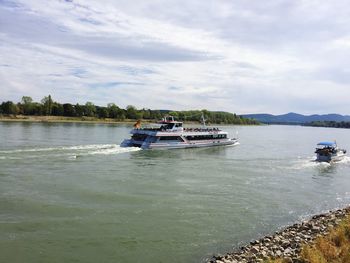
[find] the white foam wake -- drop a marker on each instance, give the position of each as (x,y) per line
(116,149)
(59,148)
(345,160)
(66,151)
(310,162)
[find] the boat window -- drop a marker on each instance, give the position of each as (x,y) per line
(170,138)
(200,137)
(139,137)
(168,126)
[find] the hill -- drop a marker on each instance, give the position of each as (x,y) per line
(295,118)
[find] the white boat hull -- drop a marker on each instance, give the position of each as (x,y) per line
(178,145)
(336,157)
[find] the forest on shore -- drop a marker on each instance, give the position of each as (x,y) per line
(48,107)
(330,124)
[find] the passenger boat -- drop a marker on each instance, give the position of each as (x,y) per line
(329,152)
(170,134)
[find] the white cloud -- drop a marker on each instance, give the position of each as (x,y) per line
(276,56)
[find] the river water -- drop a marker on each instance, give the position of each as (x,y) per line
(69,193)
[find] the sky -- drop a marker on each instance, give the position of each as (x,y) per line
(238,56)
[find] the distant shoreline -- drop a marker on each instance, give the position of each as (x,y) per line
(35,111)
(92,120)
(63,119)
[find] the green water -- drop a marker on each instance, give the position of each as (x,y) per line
(69,193)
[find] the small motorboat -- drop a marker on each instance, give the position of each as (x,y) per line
(329,152)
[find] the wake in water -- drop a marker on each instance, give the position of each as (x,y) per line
(310,162)
(71,152)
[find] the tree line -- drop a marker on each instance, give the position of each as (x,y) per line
(218,117)
(331,124)
(48,107)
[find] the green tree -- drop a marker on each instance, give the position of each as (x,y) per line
(102,112)
(27,100)
(146,114)
(37,109)
(131,112)
(121,115)
(113,111)
(27,105)
(90,109)
(175,114)
(68,110)
(9,108)
(57,109)
(47,105)
(155,115)
(79,110)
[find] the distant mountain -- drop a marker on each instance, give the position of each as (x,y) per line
(295,118)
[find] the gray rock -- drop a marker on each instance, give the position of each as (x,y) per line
(287,242)
(254,249)
(287,251)
(278,253)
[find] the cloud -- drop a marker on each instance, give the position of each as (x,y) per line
(113,84)
(240,56)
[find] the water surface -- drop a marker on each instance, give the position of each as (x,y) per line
(69,193)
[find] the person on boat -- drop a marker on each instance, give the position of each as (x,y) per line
(137,124)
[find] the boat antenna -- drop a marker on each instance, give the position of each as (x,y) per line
(203,120)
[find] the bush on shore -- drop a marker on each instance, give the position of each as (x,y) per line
(331,248)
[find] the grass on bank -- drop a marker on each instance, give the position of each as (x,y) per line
(31,118)
(85,119)
(332,248)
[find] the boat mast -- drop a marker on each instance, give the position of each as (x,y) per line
(203,121)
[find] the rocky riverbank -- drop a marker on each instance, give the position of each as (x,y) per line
(286,243)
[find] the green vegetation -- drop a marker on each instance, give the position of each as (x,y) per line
(333,124)
(332,248)
(48,107)
(212,117)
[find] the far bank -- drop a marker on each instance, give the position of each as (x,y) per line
(90,112)
(85,119)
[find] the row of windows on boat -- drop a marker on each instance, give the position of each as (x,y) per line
(201,129)
(206,137)
(142,137)
(179,125)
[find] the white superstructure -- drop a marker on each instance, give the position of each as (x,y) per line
(329,152)
(171,134)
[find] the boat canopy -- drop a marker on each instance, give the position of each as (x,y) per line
(331,144)
(168,119)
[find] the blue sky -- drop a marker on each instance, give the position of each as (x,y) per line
(238,56)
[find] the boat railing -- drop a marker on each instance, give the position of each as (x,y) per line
(147,129)
(157,129)
(202,129)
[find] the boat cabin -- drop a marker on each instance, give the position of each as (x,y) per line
(169,124)
(326,146)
